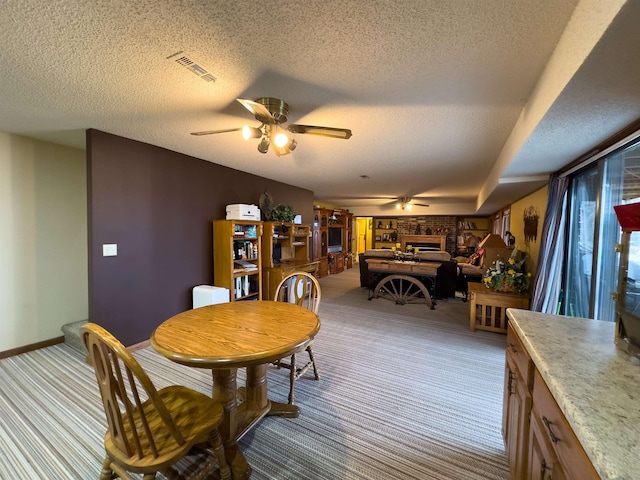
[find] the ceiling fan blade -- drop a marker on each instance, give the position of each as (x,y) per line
(258,110)
(211,132)
(411,201)
(389,206)
(343,133)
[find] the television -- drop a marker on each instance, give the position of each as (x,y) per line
(335,239)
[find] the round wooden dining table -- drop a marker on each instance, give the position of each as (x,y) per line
(228,336)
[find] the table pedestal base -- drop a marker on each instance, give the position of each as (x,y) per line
(283,410)
(239,419)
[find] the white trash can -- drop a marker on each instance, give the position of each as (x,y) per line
(204,295)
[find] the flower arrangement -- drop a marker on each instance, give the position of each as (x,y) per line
(507,276)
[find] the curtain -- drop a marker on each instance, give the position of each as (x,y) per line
(548,280)
(580,264)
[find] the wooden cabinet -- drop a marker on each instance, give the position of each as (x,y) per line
(316,251)
(284,242)
(331,233)
(237,255)
(559,444)
(516,406)
(539,441)
(348,240)
(320,239)
(543,464)
(285,249)
(336,263)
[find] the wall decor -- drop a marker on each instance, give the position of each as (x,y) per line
(531,217)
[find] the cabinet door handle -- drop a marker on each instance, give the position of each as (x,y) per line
(513,348)
(548,424)
(543,468)
(510,383)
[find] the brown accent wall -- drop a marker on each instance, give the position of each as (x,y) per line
(158,205)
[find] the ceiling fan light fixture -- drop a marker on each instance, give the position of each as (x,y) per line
(280,140)
(263,146)
(251,132)
(404,204)
(272,113)
(287,149)
(282,144)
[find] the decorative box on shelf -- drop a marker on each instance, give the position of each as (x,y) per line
(488,307)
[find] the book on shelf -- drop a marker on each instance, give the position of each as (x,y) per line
(241,264)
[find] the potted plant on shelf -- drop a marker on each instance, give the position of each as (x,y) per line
(282,213)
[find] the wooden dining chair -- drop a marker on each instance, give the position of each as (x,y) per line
(303,289)
(149,430)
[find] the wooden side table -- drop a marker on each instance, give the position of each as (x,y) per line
(488,308)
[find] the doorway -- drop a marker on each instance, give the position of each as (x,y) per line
(363,232)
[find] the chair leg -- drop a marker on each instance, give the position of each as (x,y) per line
(292,378)
(119,472)
(106,473)
(313,361)
(218,450)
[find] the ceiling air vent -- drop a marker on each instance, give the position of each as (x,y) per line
(181,59)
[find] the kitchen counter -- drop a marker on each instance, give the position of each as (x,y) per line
(596,386)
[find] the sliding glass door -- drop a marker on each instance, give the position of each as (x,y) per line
(607,260)
(591,271)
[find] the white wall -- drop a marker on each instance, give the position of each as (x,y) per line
(43,240)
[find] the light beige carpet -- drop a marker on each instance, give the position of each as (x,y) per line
(405,393)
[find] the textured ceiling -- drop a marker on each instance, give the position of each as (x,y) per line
(467,104)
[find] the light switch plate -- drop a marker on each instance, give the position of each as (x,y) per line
(110,250)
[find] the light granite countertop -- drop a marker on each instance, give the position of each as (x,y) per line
(596,386)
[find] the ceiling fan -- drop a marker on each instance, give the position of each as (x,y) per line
(272,113)
(407,203)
